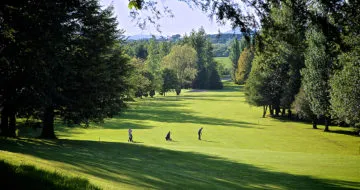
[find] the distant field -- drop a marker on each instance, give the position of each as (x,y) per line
(239,150)
(225,61)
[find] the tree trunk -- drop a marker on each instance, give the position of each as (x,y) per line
(277,111)
(283,112)
(327,123)
(4,122)
(265,109)
(178,91)
(12,123)
(289,114)
(271,110)
(48,124)
(314,122)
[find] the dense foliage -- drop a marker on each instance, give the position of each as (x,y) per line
(207,75)
(244,65)
(182,60)
(313,43)
(65,63)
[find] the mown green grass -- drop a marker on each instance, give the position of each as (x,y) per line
(239,150)
(224,60)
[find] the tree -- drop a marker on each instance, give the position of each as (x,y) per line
(214,81)
(182,60)
(302,108)
(234,56)
(165,48)
(169,81)
(153,58)
(316,74)
(25,55)
(257,89)
(344,93)
(220,50)
(204,51)
(140,82)
(197,40)
(280,45)
(137,49)
(97,87)
(244,66)
(71,62)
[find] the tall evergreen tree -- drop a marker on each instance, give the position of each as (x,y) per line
(35,38)
(234,57)
(70,63)
(244,66)
(204,51)
(153,58)
(316,74)
(97,87)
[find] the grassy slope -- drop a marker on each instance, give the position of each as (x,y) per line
(225,61)
(239,148)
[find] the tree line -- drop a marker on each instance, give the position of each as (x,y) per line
(305,58)
(164,66)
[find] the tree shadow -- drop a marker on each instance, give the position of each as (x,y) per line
(162,110)
(171,115)
(209,141)
(156,168)
(320,124)
(232,88)
(343,132)
(118,123)
(211,97)
(29,177)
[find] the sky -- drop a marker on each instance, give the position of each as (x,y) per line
(184,21)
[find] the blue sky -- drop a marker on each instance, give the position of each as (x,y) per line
(184,21)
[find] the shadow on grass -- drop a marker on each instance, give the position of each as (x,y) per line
(210,141)
(232,88)
(117,123)
(28,177)
(149,167)
(210,97)
(343,132)
(165,110)
(320,126)
(171,115)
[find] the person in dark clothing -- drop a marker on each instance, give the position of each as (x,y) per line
(130,136)
(168,138)
(200,133)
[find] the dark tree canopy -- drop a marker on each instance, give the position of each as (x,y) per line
(170,81)
(60,59)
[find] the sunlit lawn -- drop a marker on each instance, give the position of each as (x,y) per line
(225,61)
(239,148)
